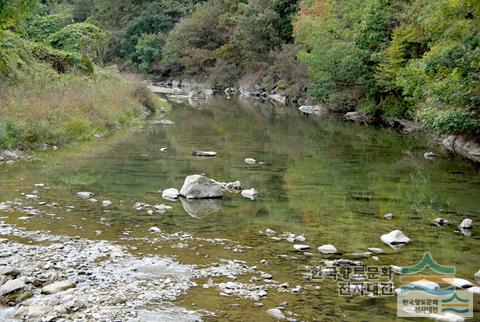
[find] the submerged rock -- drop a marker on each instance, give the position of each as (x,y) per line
(388,216)
(170,194)
(327,249)
(360,117)
(85,194)
(395,239)
(204,153)
(162,208)
(270,232)
(316,109)
(251,194)
(301,248)
(429,155)
(200,187)
(250,160)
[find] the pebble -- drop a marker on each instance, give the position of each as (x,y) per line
(250,161)
(440,221)
(301,248)
(155,230)
(85,194)
(106,203)
(388,216)
(269,232)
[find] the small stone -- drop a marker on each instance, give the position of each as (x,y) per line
(106,203)
(477,276)
(155,230)
(204,153)
(85,194)
(251,194)
(250,161)
(375,250)
(467,223)
(388,216)
(58,287)
(276,313)
(170,194)
(92,200)
(300,238)
(301,248)
(327,249)
(429,155)
(270,232)
(266,276)
(458,282)
(440,221)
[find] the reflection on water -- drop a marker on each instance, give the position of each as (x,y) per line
(331,181)
(201,207)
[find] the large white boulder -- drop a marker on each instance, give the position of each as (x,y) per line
(200,187)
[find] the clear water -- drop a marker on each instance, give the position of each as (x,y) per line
(329,180)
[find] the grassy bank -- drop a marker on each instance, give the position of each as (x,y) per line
(54,97)
(69,108)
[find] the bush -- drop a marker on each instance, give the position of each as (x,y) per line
(449,120)
(83,38)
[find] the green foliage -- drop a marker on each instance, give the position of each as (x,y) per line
(396,58)
(149,51)
(449,120)
(12,11)
(83,38)
(40,27)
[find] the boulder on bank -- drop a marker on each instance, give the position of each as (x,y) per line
(278,98)
(200,187)
(460,145)
(360,117)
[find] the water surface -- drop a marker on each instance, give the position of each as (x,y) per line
(326,179)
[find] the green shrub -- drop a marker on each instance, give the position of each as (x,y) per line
(83,38)
(449,120)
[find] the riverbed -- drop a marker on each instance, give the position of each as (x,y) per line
(321,178)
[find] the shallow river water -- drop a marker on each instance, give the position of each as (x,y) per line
(322,178)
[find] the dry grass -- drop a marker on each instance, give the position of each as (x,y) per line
(58,109)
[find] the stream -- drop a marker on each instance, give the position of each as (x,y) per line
(322,178)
